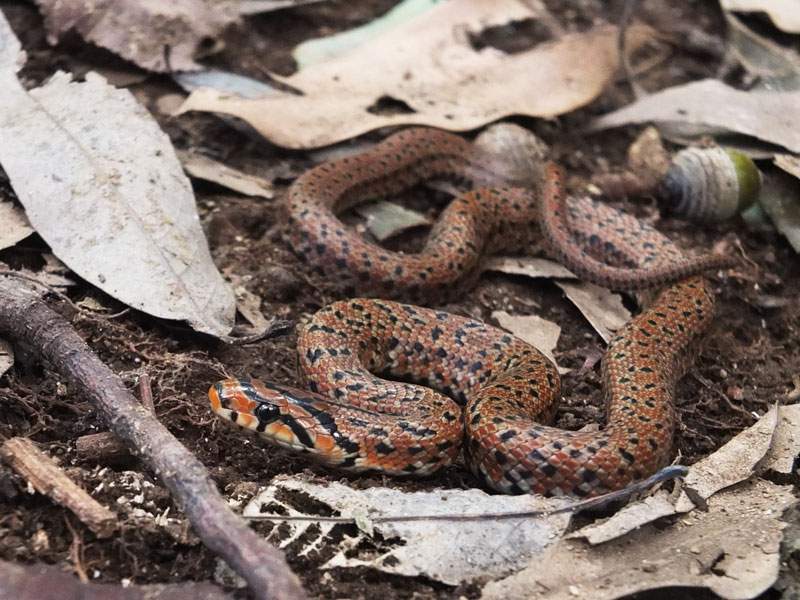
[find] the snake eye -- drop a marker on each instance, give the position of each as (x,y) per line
(266,413)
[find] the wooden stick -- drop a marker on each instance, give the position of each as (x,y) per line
(27,319)
(42,582)
(38,469)
(105,448)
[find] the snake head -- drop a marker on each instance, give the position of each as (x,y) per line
(279,414)
(247,402)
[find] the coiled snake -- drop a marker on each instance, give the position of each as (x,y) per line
(347,417)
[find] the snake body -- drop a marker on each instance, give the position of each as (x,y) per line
(347,417)
(484,221)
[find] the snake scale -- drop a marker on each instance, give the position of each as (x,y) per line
(345,416)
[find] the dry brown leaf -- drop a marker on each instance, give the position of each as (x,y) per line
(735,462)
(203,167)
(765,115)
(6,356)
(602,308)
(450,551)
(14,225)
(789,163)
(139,30)
(784,13)
(785,445)
(538,332)
(429,65)
(386,219)
(530,267)
(733,549)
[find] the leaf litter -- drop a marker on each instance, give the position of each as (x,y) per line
(737,531)
(648,566)
(140,30)
(101,184)
(429,71)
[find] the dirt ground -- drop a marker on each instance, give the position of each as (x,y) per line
(748,364)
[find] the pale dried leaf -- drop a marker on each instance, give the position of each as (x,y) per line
(776,67)
(601,307)
(385,219)
(779,199)
(530,267)
(6,356)
(204,167)
(735,462)
(538,332)
(784,13)
(139,30)
(56,280)
(768,116)
(447,551)
(785,445)
(246,87)
(789,163)
(321,49)
(429,64)
(13,225)
(254,7)
(248,303)
(100,182)
(733,550)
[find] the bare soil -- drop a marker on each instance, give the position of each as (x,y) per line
(748,364)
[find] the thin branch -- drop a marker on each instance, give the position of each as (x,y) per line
(27,319)
(47,478)
(39,582)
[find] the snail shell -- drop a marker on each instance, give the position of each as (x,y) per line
(711,184)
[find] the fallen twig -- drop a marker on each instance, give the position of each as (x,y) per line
(27,319)
(47,478)
(106,448)
(39,582)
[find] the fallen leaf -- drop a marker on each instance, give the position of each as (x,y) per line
(54,274)
(789,163)
(768,116)
(601,307)
(626,553)
(785,445)
(139,30)
(429,72)
(530,267)
(784,13)
(735,462)
(446,551)
(776,67)
(14,227)
(254,7)
(318,50)
(6,356)
(779,199)
(246,87)
(733,550)
(203,167)
(385,219)
(101,184)
(248,303)
(538,332)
